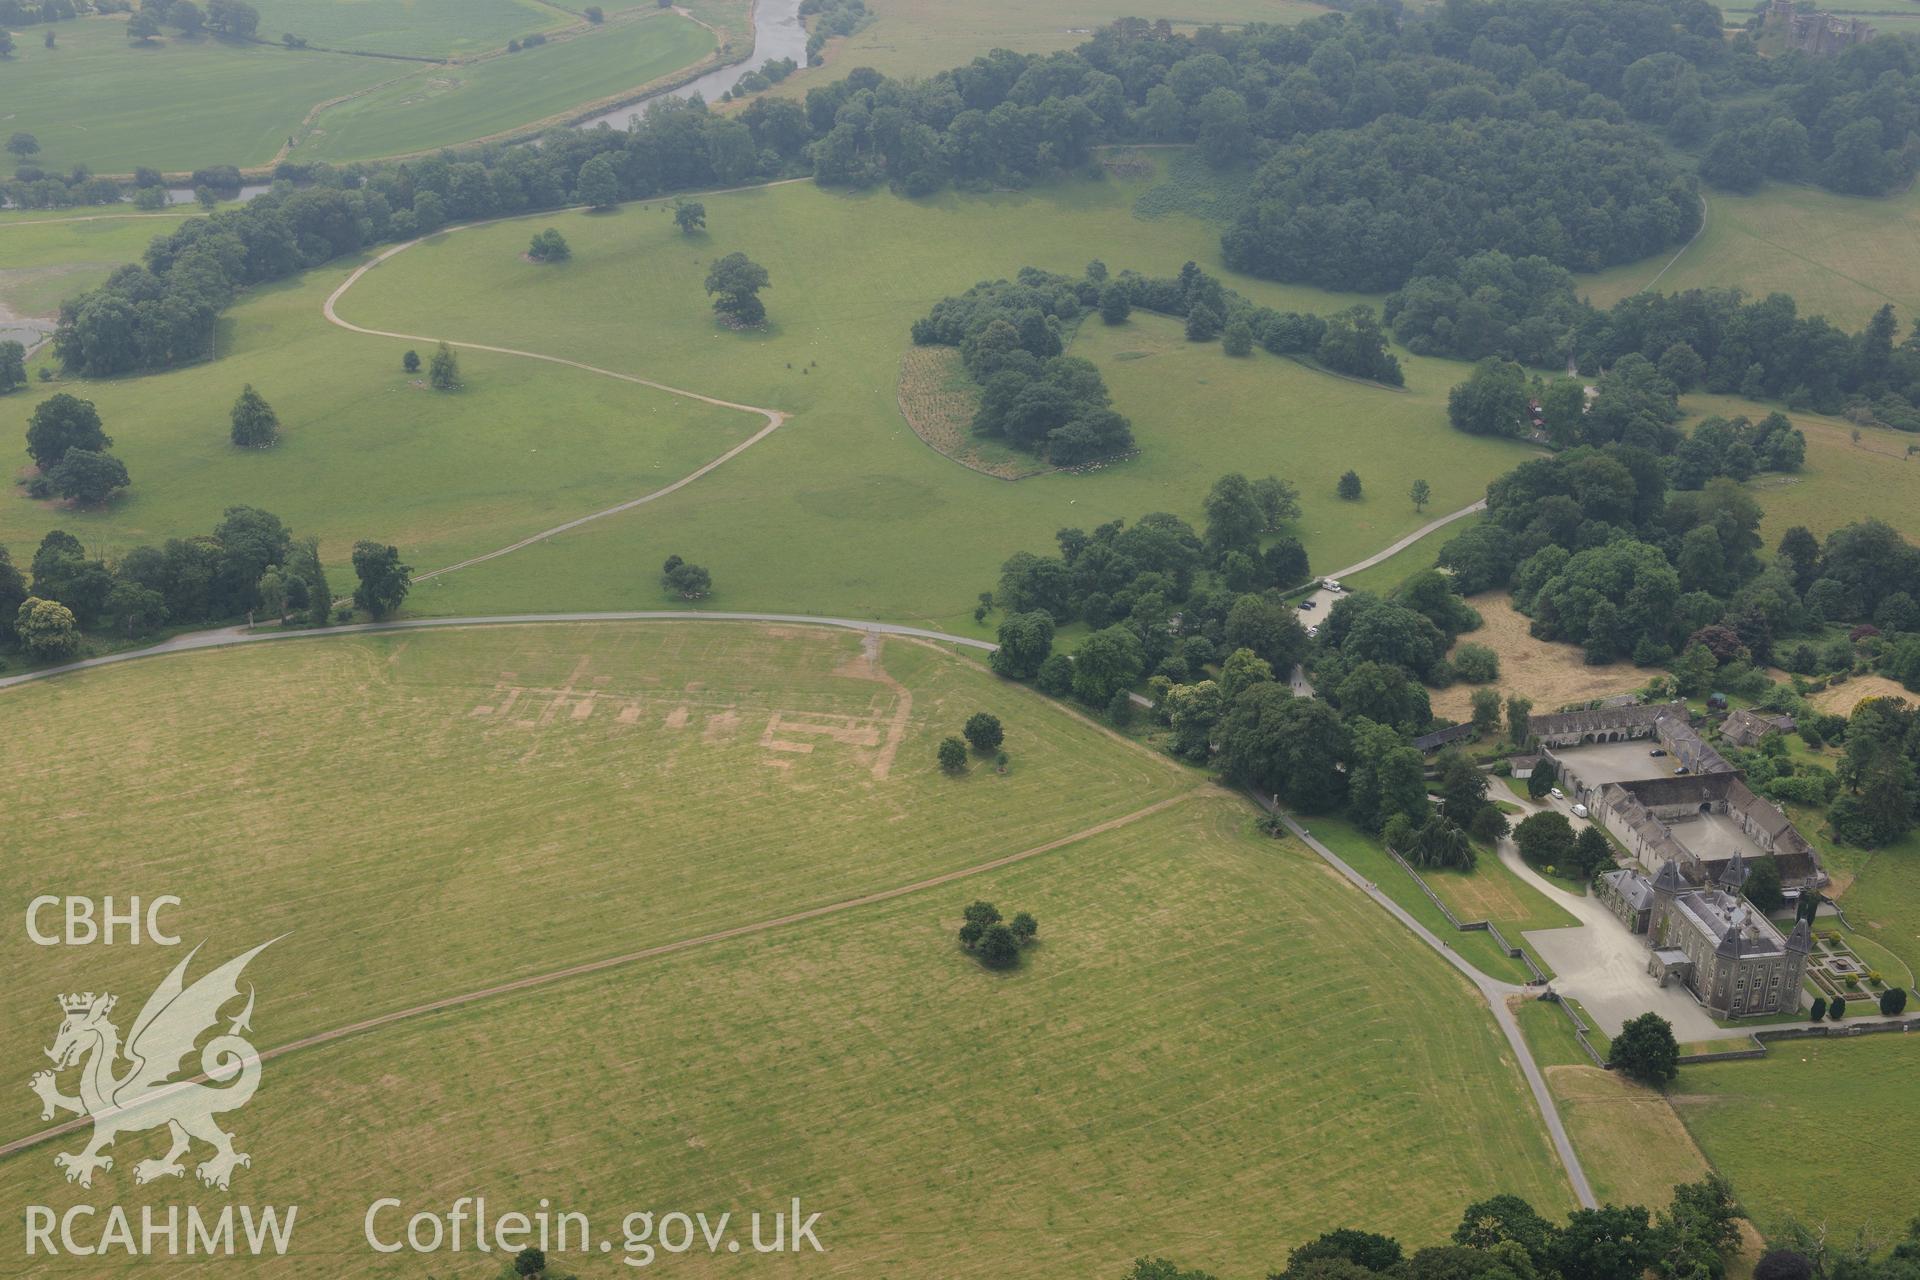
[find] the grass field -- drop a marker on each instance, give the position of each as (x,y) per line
(1883,904)
(1551,673)
(844,510)
(443,105)
(1848,1093)
(1839,256)
(367,451)
(47,259)
(920,37)
(420,28)
(98,101)
(633,786)
(1164,1059)
(1841,481)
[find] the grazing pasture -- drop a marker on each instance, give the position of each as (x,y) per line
(95,99)
(1839,256)
(1203,1025)
(439,106)
(844,510)
(1844,1091)
(414,28)
(419,809)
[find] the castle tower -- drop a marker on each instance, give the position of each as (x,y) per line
(1666,887)
(1799,946)
(1734,874)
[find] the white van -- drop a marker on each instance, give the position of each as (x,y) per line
(1579,811)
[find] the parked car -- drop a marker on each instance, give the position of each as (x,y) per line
(1332,584)
(1308,604)
(1658,751)
(1679,768)
(1557,794)
(1313,631)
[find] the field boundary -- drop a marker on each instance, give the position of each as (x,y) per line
(666,948)
(1468,926)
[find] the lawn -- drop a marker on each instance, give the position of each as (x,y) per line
(1883,905)
(1839,256)
(443,105)
(418,28)
(1365,854)
(98,101)
(1163,1061)
(625,785)
(1848,1094)
(845,510)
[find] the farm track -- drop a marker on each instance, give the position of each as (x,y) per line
(650,953)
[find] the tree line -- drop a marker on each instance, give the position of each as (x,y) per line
(1012,337)
(250,565)
(1694,1237)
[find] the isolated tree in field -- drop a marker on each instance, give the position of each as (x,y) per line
(23,144)
(1023,927)
(1646,1050)
(1477,664)
(62,422)
(549,246)
(531,1262)
(141,28)
(443,371)
(998,948)
(599,183)
(979,915)
(686,580)
(87,477)
(410,362)
(738,280)
(234,19)
(46,630)
(1420,494)
(384,581)
(254,424)
(690,216)
(13,366)
(1115,305)
(1349,487)
(983,732)
(953,755)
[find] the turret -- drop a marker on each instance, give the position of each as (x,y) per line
(1734,874)
(1801,939)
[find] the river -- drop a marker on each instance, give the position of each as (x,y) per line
(777,33)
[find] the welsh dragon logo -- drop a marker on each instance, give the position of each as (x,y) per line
(146,1093)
